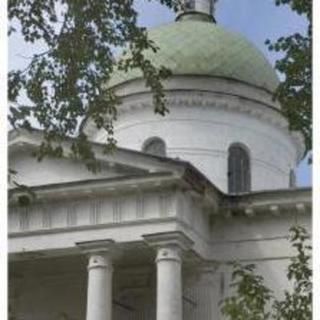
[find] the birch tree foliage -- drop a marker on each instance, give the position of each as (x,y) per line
(66,83)
(252,299)
(295,92)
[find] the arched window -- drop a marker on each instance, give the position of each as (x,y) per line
(155,146)
(239,176)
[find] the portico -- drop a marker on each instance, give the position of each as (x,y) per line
(169,257)
(103,283)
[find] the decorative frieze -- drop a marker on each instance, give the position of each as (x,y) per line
(95,212)
(139,206)
(46,217)
(24,218)
(72,215)
(164,205)
(116,210)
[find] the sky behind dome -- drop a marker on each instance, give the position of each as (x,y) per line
(257,20)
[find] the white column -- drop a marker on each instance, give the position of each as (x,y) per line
(99,298)
(99,291)
(169,283)
(170,246)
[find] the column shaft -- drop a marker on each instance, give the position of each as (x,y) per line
(169,284)
(99,298)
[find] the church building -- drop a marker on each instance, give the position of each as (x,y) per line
(151,235)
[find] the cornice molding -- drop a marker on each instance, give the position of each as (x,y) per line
(208,100)
(273,203)
(213,101)
(174,238)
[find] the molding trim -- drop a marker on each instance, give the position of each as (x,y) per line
(174,238)
(30,233)
(218,101)
(96,246)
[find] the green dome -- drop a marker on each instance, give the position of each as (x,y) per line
(190,47)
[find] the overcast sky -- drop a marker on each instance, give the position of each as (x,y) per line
(257,20)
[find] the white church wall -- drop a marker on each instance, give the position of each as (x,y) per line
(262,241)
(264,237)
(31,172)
(202,135)
(263,226)
(193,221)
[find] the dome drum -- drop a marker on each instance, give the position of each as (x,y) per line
(201,127)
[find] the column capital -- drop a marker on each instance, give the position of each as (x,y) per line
(100,253)
(169,239)
(96,246)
